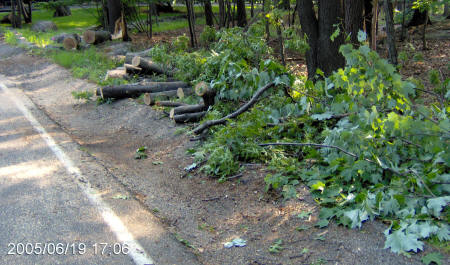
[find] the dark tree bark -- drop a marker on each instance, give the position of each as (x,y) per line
(310,27)
(222,13)
(368,7)
(114,13)
(252,7)
(354,21)
(323,52)
(392,49)
(419,18)
(403,31)
(209,13)
(241,14)
(191,22)
(286,4)
(16,19)
(424,37)
(266,5)
(330,14)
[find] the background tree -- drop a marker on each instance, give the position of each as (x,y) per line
(323,50)
(208,13)
(241,13)
(354,21)
(389,16)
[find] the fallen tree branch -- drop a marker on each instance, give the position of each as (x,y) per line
(189,117)
(313,145)
(233,115)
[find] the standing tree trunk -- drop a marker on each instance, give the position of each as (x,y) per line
(354,19)
(222,13)
(368,17)
(373,31)
(191,22)
(114,13)
(323,53)
(266,5)
(392,49)
(241,14)
(281,44)
(16,19)
(252,7)
(62,11)
(424,37)
(209,13)
(403,31)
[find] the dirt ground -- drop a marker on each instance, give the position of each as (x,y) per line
(202,213)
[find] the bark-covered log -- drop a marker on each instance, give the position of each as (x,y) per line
(187,109)
(127,91)
(44,26)
(238,112)
(71,42)
(132,70)
(148,67)
(189,117)
(169,104)
(203,90)
(96,37)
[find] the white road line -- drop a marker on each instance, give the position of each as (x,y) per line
(137,252)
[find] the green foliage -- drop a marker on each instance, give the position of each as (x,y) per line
(208,35)
(85,95)
(10,38)
(141,153)
(277,247)
(433,257)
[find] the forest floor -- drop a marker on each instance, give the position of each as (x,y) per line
(202,213)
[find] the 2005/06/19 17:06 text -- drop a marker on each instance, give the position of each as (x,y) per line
(79,248)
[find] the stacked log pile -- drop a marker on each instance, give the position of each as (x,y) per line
(158,93)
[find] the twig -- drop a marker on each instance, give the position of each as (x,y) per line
(235,176)
(211,199)
(314,145)
(233,115)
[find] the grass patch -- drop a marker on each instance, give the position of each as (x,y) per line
(86,64)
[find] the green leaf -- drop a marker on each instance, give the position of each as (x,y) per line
(435,257)
(304,214)
(436,204)
(399,242)
(362,36)
(322,223)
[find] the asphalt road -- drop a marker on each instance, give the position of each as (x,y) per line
(45,216)
(54,205)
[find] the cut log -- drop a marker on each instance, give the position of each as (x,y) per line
(148,67)
(203,90)
(169,104)
(147,99)
(119,72)
(129,91)
(44,26)
(189,117)
(187,109)
(183,92)
(96,37)
(132,70)
(71,42)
